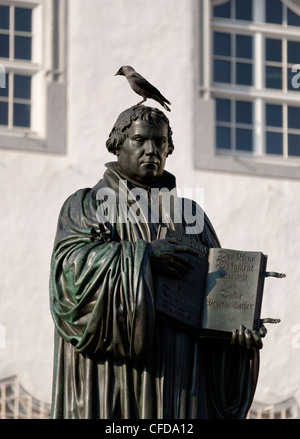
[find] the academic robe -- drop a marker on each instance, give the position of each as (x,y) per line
(113,358)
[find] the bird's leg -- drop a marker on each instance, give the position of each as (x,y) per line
(144,100)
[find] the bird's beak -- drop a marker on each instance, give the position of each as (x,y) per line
(118,73)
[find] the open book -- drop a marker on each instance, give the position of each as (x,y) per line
(222,291)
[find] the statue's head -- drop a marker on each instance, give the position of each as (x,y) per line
(120,130)
(142,140)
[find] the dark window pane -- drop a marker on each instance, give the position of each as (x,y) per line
(243,10)
(4,17)
(223,138)
(22,86)
(273,77)
(243,111)
(223,110)
(222,11)
(243,46)
(4,46)
(294,117)
(21,115)
(293,80)
(222,44)
(243,139)
(23,48)
(274,11)
(273,50)
(274,143)
(274,115)
(4,90)
(293,52)
(292,19)
(243,73)
(222,71)
(3,113)
(294,145)
(23,19)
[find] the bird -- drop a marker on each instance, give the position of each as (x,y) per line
(142,87)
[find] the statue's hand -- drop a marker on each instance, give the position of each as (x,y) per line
(251,339)
(167,256)
(247,338)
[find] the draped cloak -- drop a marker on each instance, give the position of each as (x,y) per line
(113,359)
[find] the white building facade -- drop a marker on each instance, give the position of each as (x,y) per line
(230,69)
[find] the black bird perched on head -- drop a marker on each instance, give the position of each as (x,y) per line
(142,87)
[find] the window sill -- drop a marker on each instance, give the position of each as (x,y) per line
(246,165)
(21,141)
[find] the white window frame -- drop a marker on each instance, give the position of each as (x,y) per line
(47,132)
(207,157)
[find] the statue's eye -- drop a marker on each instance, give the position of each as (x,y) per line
(139,139)
(160,141)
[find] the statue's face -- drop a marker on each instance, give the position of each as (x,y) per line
(143,154)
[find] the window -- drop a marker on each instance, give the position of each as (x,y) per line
(16,46)
(248,106)
(16,54)
(283,130)
(32,56)
(234,124)
(239,10)
(15,103)
(233,59)
(280,57)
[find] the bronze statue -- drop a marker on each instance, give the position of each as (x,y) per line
(113,358)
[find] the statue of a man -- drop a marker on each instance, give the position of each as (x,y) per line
(114,359)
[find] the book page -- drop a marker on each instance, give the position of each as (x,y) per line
(233,289)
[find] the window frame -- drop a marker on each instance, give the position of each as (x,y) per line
(47,132)
(206,156)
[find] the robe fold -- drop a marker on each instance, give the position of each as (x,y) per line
(113,359)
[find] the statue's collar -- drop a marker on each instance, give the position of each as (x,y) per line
(167,180)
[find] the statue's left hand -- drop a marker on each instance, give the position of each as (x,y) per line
(247,338)
(251,339)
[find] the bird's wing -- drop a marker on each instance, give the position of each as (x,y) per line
(141,86)
(144,84)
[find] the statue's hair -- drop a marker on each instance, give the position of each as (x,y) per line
(150,115)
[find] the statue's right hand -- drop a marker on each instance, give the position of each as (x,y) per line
(167,256)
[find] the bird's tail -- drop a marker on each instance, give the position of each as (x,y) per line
(162,100)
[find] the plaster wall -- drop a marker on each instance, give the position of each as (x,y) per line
(249,213)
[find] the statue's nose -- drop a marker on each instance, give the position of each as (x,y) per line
(150,147)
